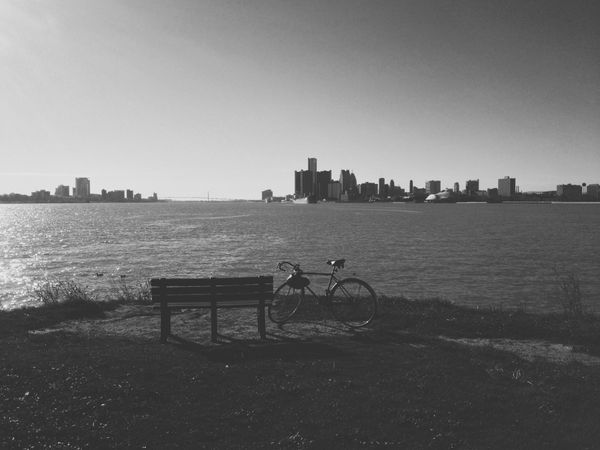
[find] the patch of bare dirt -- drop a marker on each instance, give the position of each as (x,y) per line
(143,322)
(532,350)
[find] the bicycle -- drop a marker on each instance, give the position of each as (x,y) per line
(351,300)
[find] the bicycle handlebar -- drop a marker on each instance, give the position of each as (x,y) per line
(281,265)
(296,267)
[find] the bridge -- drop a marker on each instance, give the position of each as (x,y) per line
(202,199)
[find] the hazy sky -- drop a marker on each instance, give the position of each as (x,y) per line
(185,97)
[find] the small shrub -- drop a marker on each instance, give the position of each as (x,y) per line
(569,292)
(126,293)
(53,292)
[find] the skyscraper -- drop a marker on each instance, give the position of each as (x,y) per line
(433,186)
(381,192)
(82,187)
(323,179)
(312,168)
(303,183)
(472,186)
(506,187)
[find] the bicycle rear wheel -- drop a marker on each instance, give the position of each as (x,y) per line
(353,302)
(286,301)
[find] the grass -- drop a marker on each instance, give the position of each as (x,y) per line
(61,300)
(569,292)
(436,317)
(394,386)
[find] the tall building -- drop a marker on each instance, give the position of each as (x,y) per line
(410,187)
(312,168)
(82,187)
(348,184)
(303,183)
(323,179)
(472,187)
(506,187)
(456,188)
(382,191)
(433,186)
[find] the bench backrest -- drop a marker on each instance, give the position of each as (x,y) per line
(199,292)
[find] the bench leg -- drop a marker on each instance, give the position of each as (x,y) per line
(262,329)
(213,321)
(165,325)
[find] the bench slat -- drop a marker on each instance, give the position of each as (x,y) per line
(207,305)
(210,281)
(200,290)
(220,298)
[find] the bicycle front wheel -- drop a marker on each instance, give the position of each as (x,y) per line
(353,302)
(286,301)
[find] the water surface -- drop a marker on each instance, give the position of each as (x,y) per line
(474,254)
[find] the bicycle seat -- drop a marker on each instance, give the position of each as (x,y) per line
(337,263)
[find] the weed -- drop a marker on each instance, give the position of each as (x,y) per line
(569,292)
(52,292)
(126,293)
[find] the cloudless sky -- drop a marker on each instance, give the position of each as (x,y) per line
(186,97)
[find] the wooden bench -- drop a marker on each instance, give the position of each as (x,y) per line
(213,293)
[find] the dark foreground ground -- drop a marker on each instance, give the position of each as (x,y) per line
(397,385)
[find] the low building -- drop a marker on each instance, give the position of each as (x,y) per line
(446,196)
(62,191)
(593,192)
(40,196)
(266,195)
(116,196)
(569,192)
(367,190)
(334,190)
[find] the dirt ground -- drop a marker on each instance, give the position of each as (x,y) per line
(143,322)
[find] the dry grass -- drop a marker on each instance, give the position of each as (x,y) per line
(396,385)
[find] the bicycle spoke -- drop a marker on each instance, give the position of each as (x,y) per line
(353,302)
(286,301)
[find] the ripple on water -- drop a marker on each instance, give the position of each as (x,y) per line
(476,254)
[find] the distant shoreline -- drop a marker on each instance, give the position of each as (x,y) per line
(168,200)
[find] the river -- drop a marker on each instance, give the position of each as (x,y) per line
(500,255)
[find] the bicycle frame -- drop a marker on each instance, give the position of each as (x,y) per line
(297,271)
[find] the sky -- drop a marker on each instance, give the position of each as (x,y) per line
(189,98)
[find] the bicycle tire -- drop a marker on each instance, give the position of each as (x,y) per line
(286,301)
(353,302)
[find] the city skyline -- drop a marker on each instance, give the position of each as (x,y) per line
(316,185)
(79,192)
(187,98)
